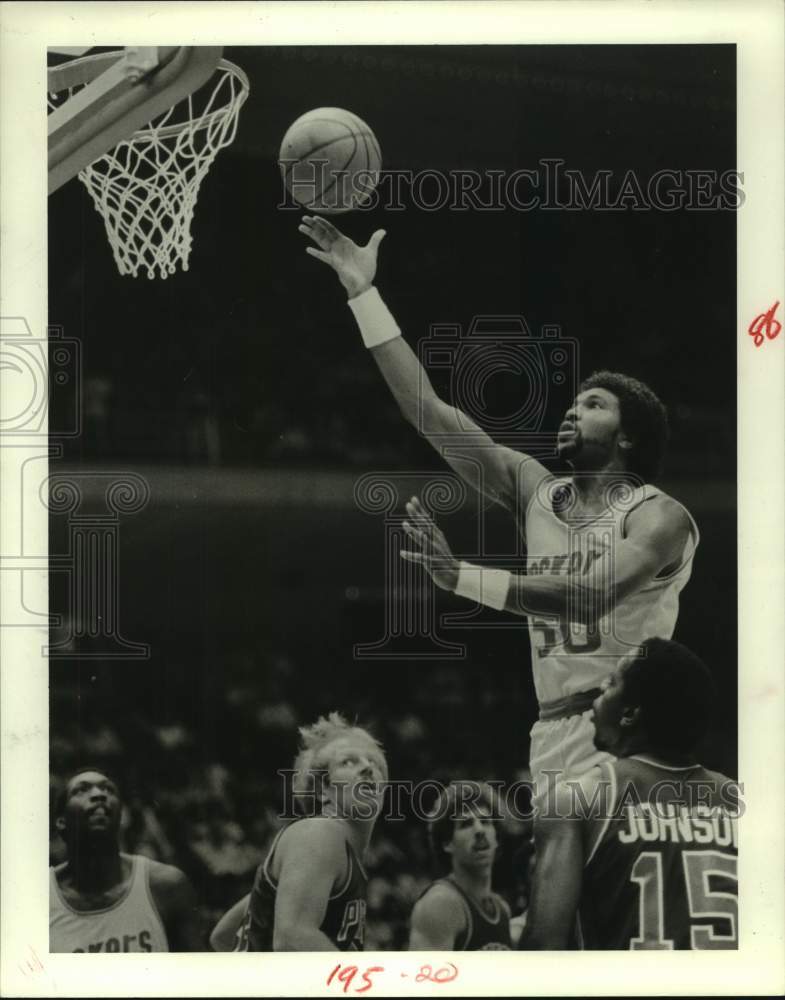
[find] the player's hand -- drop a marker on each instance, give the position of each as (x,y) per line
(432,550)
(355,266)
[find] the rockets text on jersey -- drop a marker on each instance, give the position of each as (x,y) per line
(132,924)
(568,656)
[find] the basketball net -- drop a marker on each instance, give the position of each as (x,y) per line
(146,187)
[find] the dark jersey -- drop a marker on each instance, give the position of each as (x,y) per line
(661,865)
(486,930)
(344,920)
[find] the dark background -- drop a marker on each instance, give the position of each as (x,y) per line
(241,391)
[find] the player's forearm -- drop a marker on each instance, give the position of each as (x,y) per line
(565,596)
(299,937)
(407,380)
(544,937)
(400,367)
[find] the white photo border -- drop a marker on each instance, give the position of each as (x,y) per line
(756,28)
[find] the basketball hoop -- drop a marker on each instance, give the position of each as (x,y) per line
(146,187)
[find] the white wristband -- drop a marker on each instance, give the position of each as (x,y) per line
(376,322)
(483,586)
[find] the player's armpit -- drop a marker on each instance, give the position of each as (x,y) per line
(178,906)
(312,862)
(557,879)
(437,921)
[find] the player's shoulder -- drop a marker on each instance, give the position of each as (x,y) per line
(437,905)
(728,789)
(161,875)
(716,776)
(318,835)
(663,522)
(170,887)
(439,892)
(655,505)
(59,873)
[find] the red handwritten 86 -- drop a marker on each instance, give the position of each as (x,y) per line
(346,973)
(766,324)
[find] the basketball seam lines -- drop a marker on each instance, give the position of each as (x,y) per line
(338,172)
(362,132)
(366,135)
(316,149)
(367,163)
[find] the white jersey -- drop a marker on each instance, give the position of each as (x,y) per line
(568,657)
(131,924)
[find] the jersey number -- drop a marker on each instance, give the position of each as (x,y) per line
(558,632)
(705,904)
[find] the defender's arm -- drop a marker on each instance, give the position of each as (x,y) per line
(313,856)
(436,921)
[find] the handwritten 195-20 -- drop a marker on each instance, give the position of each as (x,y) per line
(345,974)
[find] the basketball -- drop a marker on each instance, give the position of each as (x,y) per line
(330,161)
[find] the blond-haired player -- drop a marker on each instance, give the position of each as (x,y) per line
(309,894)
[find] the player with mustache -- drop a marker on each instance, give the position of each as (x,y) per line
(460,912)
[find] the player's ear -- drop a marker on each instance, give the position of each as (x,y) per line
(630,716)
(60,824)
(625,443)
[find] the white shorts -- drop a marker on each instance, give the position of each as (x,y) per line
(564,748)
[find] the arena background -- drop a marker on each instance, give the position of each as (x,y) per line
(241,392)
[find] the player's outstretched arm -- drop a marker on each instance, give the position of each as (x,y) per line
(556,886)
(223,936)
(655,541)
(312,857)
(504,475)
(436,921)
(178,906)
